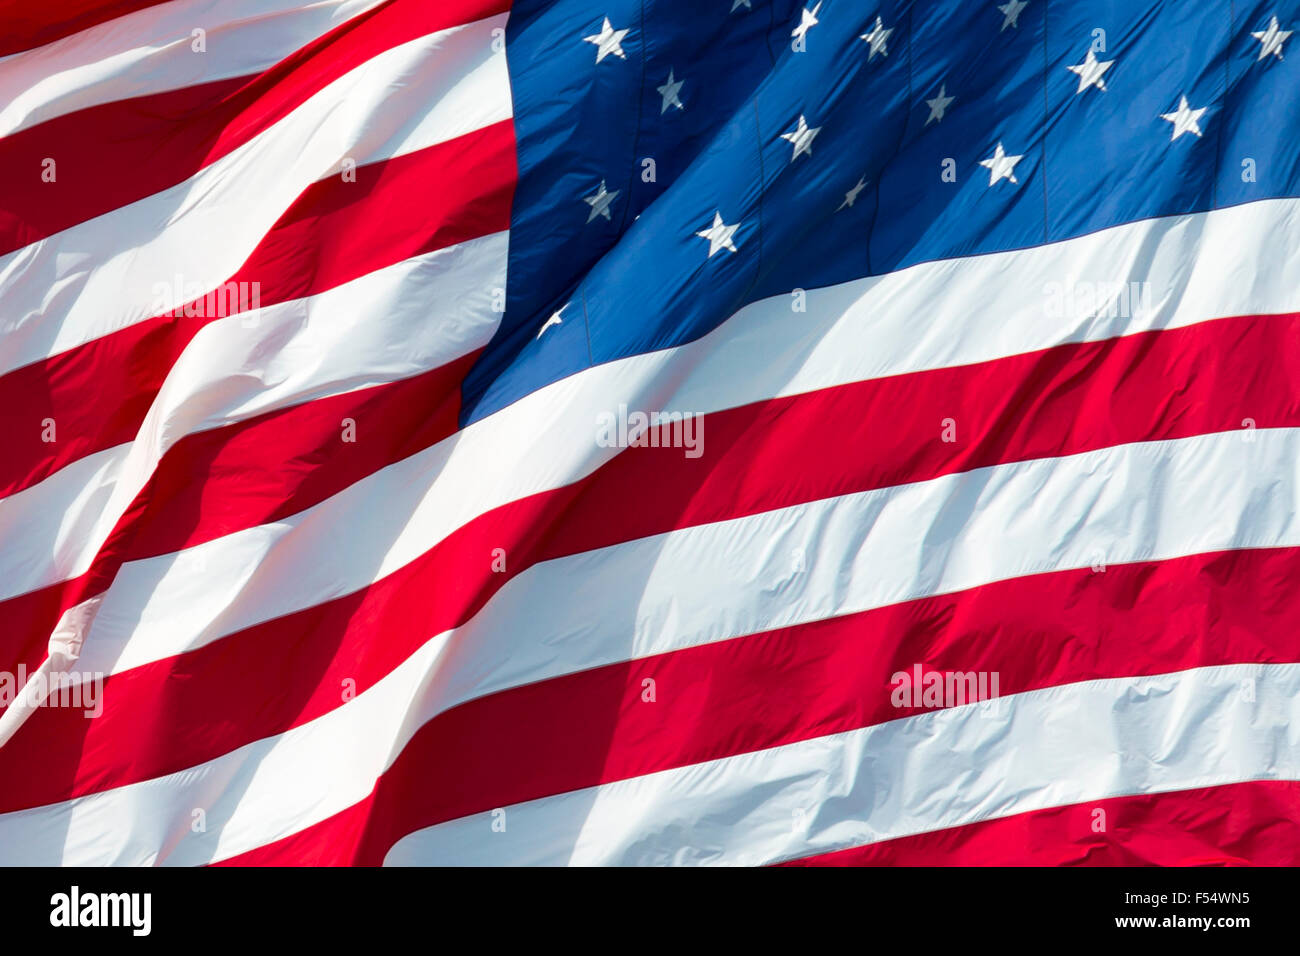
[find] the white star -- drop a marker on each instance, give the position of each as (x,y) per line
(669,92)
(1011,13)
(740,3)
(719,235)
(851,196)
(1090,72)
(1271,40)
(807,21)
(608,41)
(600,202)
(877,38)
(1001,166)
(553,320)
(802,137)
(1185,119)
(938,106)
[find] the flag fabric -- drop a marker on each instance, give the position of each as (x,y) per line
(647,432)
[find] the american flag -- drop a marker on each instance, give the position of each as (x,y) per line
(649,432)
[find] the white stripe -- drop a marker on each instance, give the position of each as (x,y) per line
(1045,748)
(844,555)
(150,823)
(712,582)
(548,438)
(388,325)
(46,528)
(684,589)
(1207,265)
(101,275)
(150,51)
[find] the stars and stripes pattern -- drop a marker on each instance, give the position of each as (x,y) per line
(982,322)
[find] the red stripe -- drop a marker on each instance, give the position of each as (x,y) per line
(108,155)
(399,208)
(1255,824)
(214,483)
(851,438)
(714,701)
(82,188)
(335,232)
(28,620)
(25,24)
